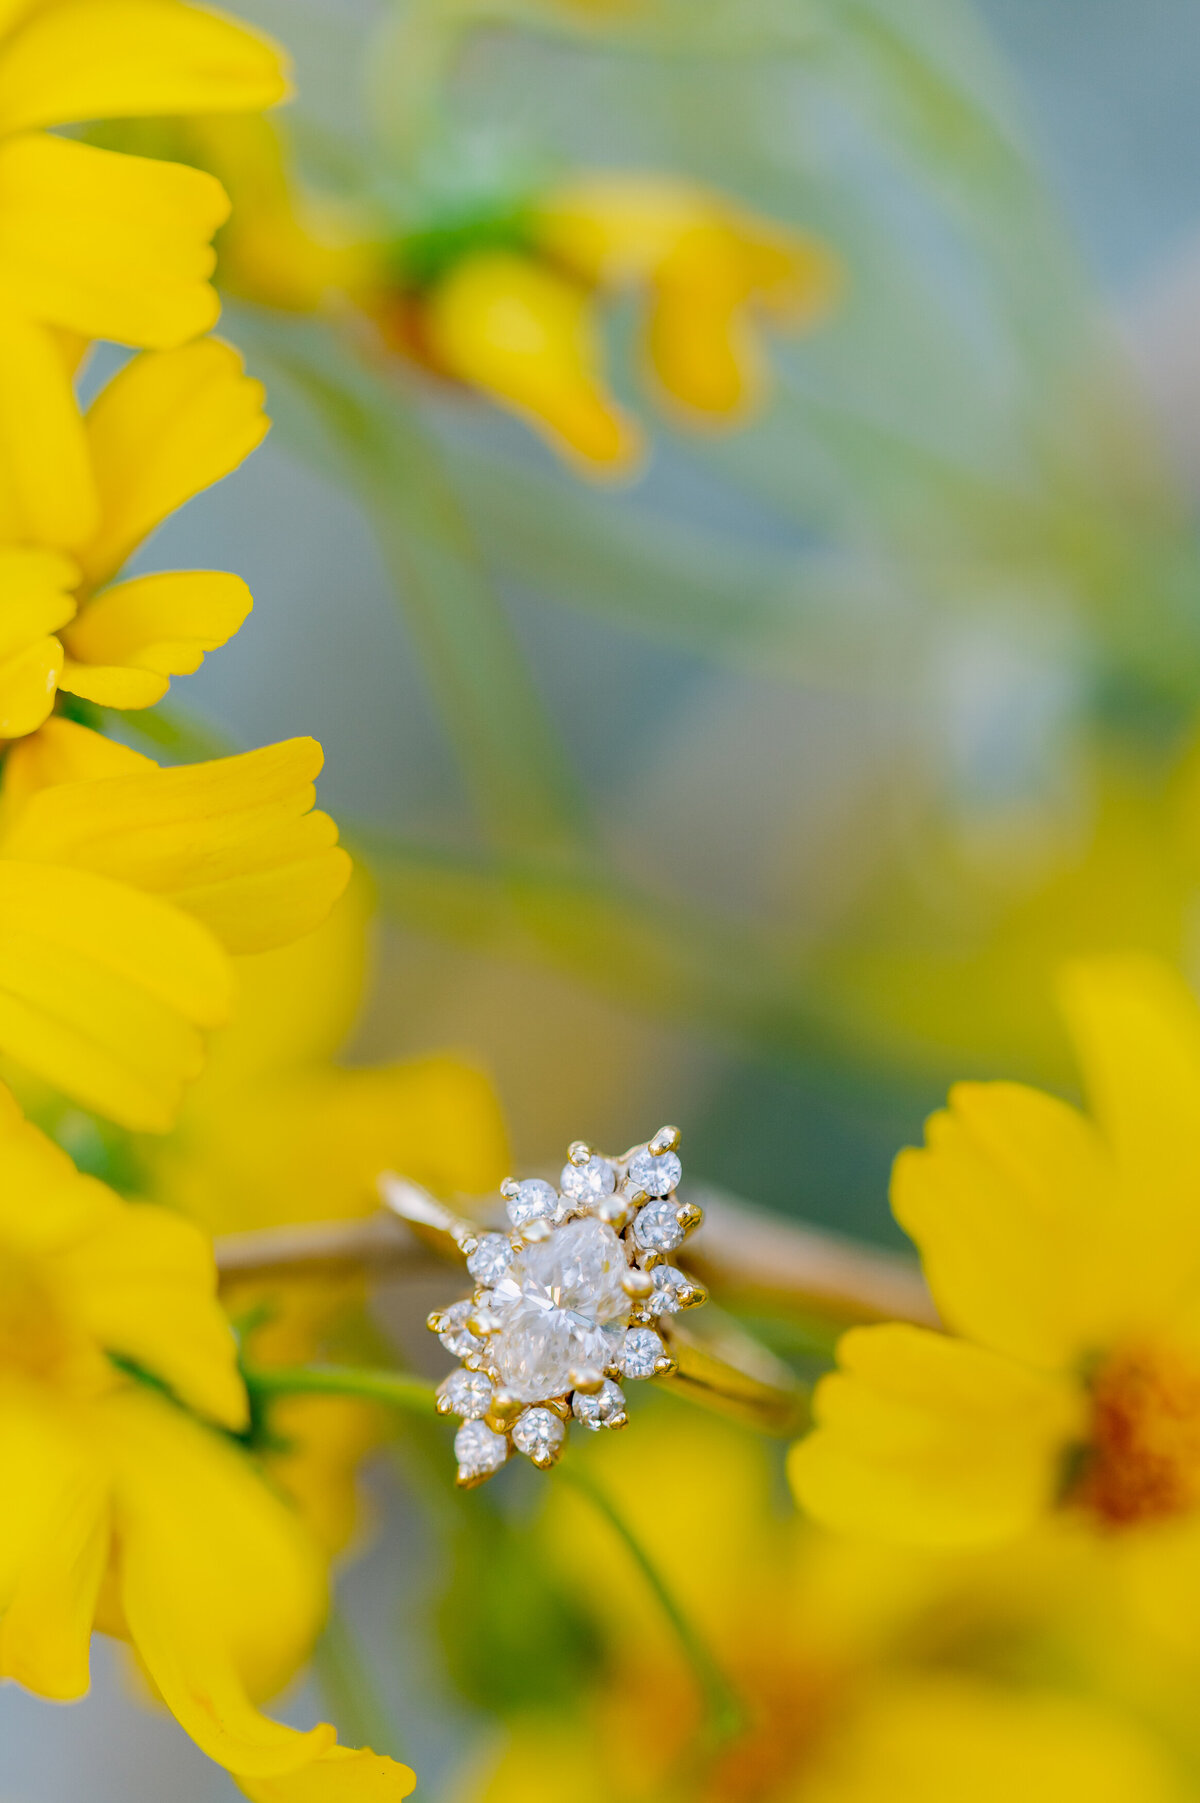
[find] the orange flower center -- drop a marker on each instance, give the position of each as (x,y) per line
(1143,1453)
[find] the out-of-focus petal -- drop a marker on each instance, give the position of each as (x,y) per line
(109,685)
(1014,1205)
(167,426)
(28,681)
(46,1630)
(156,626)
(145,1285)
(103,989)
(525,335)
(47,494)
(222,1590)
(231,841)
(107,245)
(127,58)
(928,1441)
(340,1775)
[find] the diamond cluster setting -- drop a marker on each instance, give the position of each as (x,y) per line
(573,1300)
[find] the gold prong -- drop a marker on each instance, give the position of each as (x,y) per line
(502,1411)
(548,1456)
(588,1379)
(442,1405)
(535,1231)
(641,1317)
(650,1259)
(557,1405)
(469,1244)
(579,1152)
(433,1320)
(691,1295)
(509,1188)
(614,1211)
(665,1140)
(466,1479)
(664,1366)
(618,1421)
(638,1284)
(483,1322)
(689,1215)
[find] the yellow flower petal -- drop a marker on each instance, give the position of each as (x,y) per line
(128,58)
(108,245)
(231,841)
(47,494)
(145,1286)
(704,349)
(35,596)
(167,426)
(162,624)
(28,680)
(102,990)
(222,1590)
(111,686)
(1136,1029)
(46,1630)
(928,1441)
(61,751)
(341,1775)
(525,336)
(1014,1207)
(49,1528)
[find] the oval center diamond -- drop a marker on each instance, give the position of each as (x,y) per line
(562,1307)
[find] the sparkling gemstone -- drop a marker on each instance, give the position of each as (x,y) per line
(561,1307)
(466,1393)
(455,1335)
(605,1409)
(538,1433)
(588,1182)
(657,1176)
(535,1200)
(640,1352)
(478,1450)
(657,1227)
(667,1280)
(490,1259)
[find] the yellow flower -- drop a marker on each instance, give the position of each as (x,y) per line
(526,335)
(863,1672)
(124,887)
(1064,1255)
(711,274)
(123,1510)
(79,494)
(99,244)
(275,1131)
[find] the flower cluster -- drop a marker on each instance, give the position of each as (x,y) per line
(135,1502)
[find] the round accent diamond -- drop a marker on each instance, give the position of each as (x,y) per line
(478,1450)
(490,1259)
(588,1182)
(560,1305)
(535,1200)
(667,1280)
(657,1227)
(538,1434)
(641,1350)
(657,1176)
(466,1393)
(605,1409)
(454,1333)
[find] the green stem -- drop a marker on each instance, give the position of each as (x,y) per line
(725,1711)
(391,1387)
(350,1693)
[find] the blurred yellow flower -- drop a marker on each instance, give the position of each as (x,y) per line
(712,275)
(125,1511)
(101,244)
(78,495)
(864,1672)
(1064,1255)
(275,1131)
(124,887)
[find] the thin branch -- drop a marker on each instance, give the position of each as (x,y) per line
(395,1388)
(745,1256)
